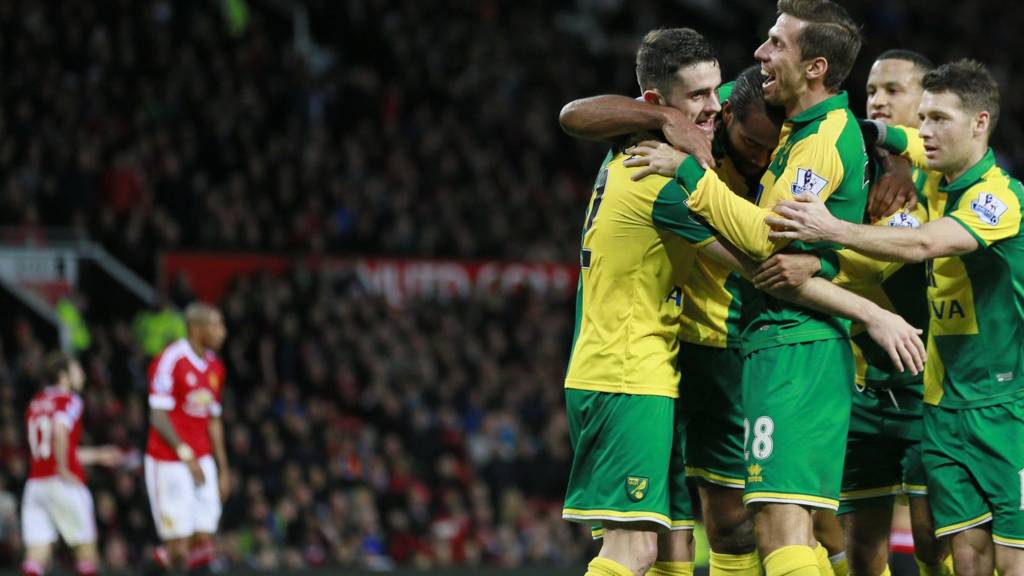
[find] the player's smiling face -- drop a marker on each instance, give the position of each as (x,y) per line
(781,64)
(695,93)
(948,131)
(894,91)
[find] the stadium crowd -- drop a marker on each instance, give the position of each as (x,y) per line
(359,433)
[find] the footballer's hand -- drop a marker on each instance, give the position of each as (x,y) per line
(894,190)
(682,133)
(900,340)
(653,158)
(785,271)
(197,473)
(805,218)
(224,484)
(68,477)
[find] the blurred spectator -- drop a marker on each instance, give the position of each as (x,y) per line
(157,327)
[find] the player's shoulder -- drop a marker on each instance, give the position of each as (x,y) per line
(172,354)
(620,186)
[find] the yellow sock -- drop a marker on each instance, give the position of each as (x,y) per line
(824,564)
(886,572)
(839,564)
(945,568)
(671,569)
(607,567)
(792,561)
(748,564)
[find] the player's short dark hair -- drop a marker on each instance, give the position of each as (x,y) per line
(830,34)
(920,61)
(972,82)
(748,97)
(55,364)
(664,51)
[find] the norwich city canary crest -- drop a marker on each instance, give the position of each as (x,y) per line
(636,487)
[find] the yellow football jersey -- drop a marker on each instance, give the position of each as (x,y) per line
(639,244)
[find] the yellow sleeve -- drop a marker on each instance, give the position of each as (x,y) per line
(812,166)
(989,213)
(740,221)
(907,142)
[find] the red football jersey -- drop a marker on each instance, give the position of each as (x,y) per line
(188,388)
(48,407)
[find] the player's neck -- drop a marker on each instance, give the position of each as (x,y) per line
(977,153)
(196,347)
(810,97)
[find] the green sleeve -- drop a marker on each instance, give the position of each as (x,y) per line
(671,213)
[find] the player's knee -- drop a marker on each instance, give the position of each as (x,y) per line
(646,555)
(733,537)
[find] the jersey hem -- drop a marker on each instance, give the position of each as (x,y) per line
(755,344)
(989,401)
(631,390)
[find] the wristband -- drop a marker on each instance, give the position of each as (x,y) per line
(185,452)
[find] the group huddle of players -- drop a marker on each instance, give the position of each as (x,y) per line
(186,468)
(808,312)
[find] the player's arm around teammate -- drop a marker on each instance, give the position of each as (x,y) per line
(973,274)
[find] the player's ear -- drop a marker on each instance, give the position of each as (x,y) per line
(816,68)
(653,96)
(981,123)
(727,112)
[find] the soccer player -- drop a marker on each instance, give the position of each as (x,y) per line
(710,358)
(186,437)
(798,370)
(883,455)
(974,378)
(638,246)
(56,500)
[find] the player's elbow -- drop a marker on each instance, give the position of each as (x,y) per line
(922,249)
(570,119)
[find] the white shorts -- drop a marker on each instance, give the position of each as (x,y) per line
(52,506)
(180,508)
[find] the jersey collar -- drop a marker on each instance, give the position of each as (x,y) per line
(969,178)
(199,363)
(840,100)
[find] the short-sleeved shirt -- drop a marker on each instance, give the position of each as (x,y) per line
(712,305)
(976,301)
(639,243)
(46,409)
(895,286)
(189,388)
(820,152)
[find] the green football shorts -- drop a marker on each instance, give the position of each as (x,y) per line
(711,394)
(796,404)
(627,461)
(975,469)
(882,449)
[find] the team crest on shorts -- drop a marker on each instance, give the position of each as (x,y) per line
(754,473)
(636,487)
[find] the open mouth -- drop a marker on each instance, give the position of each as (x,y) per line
(769,78)
(930,150)
(879,115)
(706,124)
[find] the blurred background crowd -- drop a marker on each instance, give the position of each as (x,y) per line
(361,431)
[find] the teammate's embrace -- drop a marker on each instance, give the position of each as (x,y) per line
(56,500)
(185,486)
(974,378)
